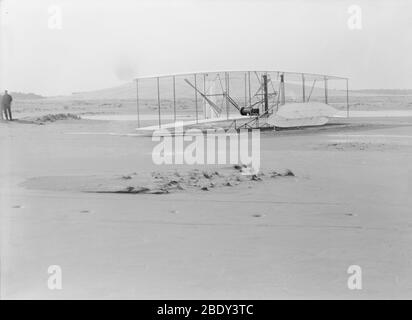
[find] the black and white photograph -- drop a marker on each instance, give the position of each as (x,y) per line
(199,150)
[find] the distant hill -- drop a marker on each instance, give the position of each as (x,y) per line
(25,96)
(148,90)
(385,91)
(126,91)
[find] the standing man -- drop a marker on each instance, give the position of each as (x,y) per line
(6,105)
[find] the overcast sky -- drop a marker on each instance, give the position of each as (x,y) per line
(105,43)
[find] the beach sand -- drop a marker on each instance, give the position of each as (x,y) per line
(290,237)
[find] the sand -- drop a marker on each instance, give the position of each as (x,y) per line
(160,182)
(348,203)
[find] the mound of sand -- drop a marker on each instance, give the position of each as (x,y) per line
(203,180)
(362,146)
(159,182)
(56,117)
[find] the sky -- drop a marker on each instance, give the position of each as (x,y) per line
(54,47)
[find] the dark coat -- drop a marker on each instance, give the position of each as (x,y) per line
(6,101)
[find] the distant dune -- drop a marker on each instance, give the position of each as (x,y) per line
(148,90)
(25,96)
(385,91)
(125,91)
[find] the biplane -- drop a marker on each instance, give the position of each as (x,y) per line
(242,99)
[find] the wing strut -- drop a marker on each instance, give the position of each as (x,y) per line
(215,107)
